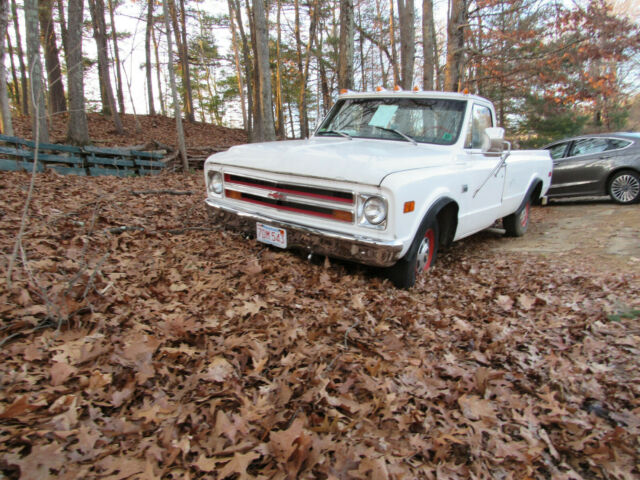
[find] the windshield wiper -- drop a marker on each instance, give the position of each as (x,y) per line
(397,132)
(337,132)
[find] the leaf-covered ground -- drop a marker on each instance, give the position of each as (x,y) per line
(139,342)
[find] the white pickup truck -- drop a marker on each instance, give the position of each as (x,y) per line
(386,179)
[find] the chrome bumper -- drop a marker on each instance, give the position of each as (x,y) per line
(332,244)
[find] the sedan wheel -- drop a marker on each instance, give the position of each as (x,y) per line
(624,187)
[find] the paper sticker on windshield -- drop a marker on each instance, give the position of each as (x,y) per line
(383,116)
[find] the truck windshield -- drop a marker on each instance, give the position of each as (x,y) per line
(425,120)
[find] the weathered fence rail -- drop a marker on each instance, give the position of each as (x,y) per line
(18,154)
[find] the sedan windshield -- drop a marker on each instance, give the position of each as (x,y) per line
(424,120)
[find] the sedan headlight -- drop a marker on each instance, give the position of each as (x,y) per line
(375,210)
(215,182)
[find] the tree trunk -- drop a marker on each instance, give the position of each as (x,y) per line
(383,72)
(77,129)
(280,127)
(324,81)
(345,55)
(248,69)
(174,91)
(163,109)
(63,25)
(99,33)
(302,109)
(116,56)
(5,112)
(183,59)
(236,55)
(407,42)
(392,39)
(39,115)
(303,92)
(428,44)
(147,53)
(16,90)
(455,45)
(57,101)
(263,87)
(187,68)
(362,55)
(23,71)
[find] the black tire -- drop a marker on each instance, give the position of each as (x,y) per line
(419,258)
(624,187)
(517,223)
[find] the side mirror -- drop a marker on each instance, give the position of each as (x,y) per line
(493,140)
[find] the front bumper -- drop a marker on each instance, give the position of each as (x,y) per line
(358,249)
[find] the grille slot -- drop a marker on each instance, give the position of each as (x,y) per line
(335,205)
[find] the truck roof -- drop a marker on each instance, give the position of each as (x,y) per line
(413,94)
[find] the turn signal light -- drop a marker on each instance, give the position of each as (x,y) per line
(342,215)
(233,194)
(409,206)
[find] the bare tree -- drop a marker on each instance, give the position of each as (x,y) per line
(280,127)
(455,44)
(236,12)
(428,45)
(77,129)
(7,126)
(183,57)
(57,101)
(39,114)
(147,52)
(236,56)
(116,57)
(392,39)
(23,70)
(345,55)
(407,42)
(174,91)
(100,36)
(265,129)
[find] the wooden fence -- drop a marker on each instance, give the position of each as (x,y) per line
(18,154)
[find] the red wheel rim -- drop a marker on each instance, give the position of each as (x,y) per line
(524,215)
(424,255)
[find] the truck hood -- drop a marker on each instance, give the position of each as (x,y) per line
(359,160)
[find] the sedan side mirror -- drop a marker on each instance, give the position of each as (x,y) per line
(493,140)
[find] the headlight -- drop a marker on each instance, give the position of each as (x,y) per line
(215,182)
(375,210)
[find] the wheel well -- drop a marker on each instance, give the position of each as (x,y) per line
(535,193)
(447,218)
(616,171)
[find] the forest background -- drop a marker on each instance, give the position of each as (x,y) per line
(274,68)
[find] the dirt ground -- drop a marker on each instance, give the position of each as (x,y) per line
(604,234)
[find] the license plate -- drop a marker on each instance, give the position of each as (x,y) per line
(271,235)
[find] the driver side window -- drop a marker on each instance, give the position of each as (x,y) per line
(480,119)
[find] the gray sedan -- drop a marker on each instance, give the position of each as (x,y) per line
(600,164)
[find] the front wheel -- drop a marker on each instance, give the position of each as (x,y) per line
(419,258)
(517,223)
(624,187)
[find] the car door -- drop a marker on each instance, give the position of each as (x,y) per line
(485,175)
(577,173)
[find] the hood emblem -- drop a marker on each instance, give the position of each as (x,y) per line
(277,196)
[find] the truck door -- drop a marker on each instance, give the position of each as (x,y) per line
(484,173)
